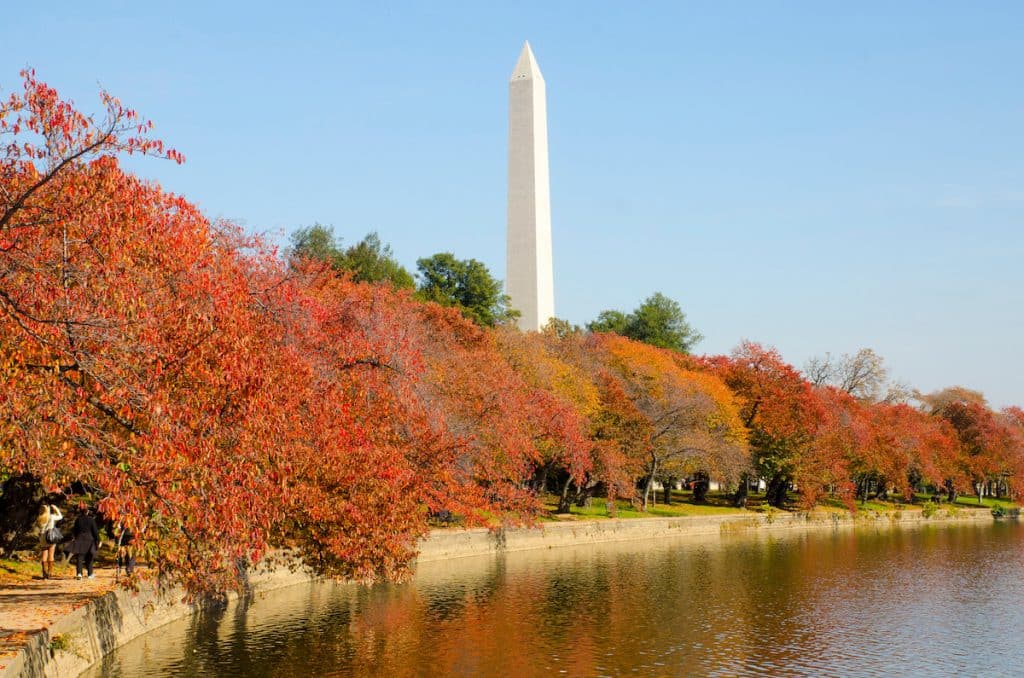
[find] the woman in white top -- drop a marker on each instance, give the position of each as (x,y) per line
(47,519)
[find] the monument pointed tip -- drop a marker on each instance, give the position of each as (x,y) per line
(526,67)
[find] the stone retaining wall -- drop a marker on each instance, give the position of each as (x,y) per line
(87,634)
(446,544)
(108,622)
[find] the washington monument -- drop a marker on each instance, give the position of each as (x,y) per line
(529,274)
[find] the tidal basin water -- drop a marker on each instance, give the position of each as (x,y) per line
(935,600)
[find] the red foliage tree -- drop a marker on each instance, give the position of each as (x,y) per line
(985,443)
(779,409)
(131,342)
(836,457)
(1014,472)
(211,399)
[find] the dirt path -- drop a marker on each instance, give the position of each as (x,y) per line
(27,606)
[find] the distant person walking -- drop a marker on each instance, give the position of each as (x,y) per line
(125,554)
(86,543)
(49,536)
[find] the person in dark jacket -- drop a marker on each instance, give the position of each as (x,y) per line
(86,543)
(125,554)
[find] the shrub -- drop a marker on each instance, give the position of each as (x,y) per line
(60,642)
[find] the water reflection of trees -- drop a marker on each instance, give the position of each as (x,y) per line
(771,603)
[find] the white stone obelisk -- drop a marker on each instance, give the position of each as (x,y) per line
(529,277)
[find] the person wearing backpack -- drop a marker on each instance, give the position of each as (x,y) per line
(49,536)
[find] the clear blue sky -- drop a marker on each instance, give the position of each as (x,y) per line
(815,176)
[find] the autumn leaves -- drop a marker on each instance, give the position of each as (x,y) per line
(219,401)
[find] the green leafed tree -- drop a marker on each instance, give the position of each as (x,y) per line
(658,321)
(372,261)
(611,321)
(465,284)
(369,260)
(317,242)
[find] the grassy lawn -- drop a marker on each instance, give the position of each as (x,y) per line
(682,505)
(970,501)
(27,567)
(718,503)
(987,502)
(871,505)
(967,501)
(15,571)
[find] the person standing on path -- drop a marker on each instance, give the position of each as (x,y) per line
(86,542)
(125,555)
(49,536)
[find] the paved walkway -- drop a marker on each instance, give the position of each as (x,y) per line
(28,607)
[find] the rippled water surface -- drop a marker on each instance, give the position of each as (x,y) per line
(932,601)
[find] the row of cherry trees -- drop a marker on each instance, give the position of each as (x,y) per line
(824,439)
(220,402)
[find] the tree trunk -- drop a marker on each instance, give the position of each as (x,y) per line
(650,481)
(542,481)
(739,499)
(701,485)
(564,501)
(776,492)
(583,494)
(669,484)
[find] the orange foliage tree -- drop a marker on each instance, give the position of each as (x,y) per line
(692,420)
(564,403)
